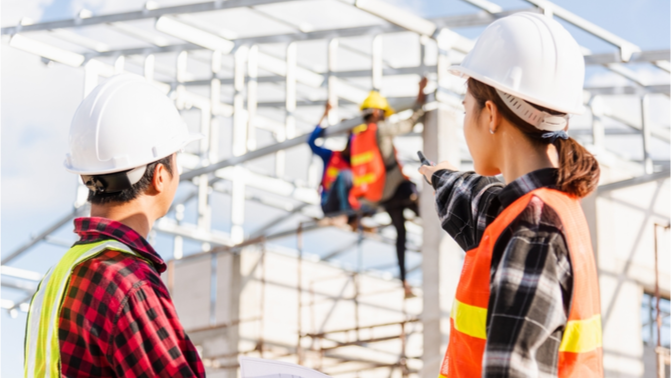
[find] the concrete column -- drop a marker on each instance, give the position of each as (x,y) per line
(441,256)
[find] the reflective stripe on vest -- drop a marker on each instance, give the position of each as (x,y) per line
(368,170)
(42,350)
(336,164)
(580,352)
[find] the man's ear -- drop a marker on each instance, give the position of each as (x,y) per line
(160,179)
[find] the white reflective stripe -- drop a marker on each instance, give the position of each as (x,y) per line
(34,315)
(61,288)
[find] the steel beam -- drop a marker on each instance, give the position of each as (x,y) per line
(637,57)
(663,175)
(657,133)
(446,22)
(139,15)
(630,90)
(626,48)
(42,235)
(340,128)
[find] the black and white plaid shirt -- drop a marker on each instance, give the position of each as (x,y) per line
(530,278)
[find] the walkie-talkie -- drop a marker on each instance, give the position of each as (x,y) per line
(424,161)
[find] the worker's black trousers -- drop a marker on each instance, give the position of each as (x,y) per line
(405,197)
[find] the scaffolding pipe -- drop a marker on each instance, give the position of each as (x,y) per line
(658,320)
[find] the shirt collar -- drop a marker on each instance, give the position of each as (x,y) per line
(542,178)
(96,228)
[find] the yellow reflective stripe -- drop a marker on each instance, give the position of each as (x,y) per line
(470,320)
(582,336)
(365,179)
(43,357)
(359,129)
(44,353)
(332,172)
(362,158)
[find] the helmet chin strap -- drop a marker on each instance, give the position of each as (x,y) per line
(114,182)
(536,117)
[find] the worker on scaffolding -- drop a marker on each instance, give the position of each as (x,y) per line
(336,176)
(103,310)
(378,178)
(527,304)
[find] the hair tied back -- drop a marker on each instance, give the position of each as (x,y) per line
(554,135)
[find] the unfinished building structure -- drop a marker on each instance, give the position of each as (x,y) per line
(252,270)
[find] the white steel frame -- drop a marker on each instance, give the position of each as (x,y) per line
(206,171)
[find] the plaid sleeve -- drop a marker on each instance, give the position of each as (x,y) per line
(148,340)
(466,204)
(530,294)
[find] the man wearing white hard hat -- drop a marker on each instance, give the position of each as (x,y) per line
(527,303)
(103,310)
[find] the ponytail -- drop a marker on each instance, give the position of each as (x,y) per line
(578,169)
(578,172)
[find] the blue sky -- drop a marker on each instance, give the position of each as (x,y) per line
(32,152)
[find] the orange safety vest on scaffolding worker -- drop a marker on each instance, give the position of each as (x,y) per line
(336,164)
(580,353)
(368,170)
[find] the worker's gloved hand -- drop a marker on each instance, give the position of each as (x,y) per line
(429,170)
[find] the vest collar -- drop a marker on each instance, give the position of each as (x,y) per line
(92,229)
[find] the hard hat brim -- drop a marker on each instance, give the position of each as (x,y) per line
(191,137)
(466,73)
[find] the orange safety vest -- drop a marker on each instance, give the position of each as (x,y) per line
(580,353)
(368,171)
(336,164)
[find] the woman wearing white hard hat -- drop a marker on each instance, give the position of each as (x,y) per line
(527,304)
(103,309)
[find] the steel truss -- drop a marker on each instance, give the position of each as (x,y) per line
(207,170)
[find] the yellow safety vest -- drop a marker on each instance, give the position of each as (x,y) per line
(42,352)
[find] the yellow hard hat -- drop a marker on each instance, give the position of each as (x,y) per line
(376,101)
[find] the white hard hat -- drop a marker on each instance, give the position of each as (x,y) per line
(124,123)
(531,57)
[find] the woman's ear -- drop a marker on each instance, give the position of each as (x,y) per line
(491,111)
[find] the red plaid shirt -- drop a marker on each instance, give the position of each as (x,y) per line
(117,318)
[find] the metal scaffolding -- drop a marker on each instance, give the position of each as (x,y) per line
(222,77)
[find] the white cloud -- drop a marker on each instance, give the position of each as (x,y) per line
(14,10)
(37,106)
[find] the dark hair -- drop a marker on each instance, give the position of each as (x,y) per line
(134,191)
(578,172)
